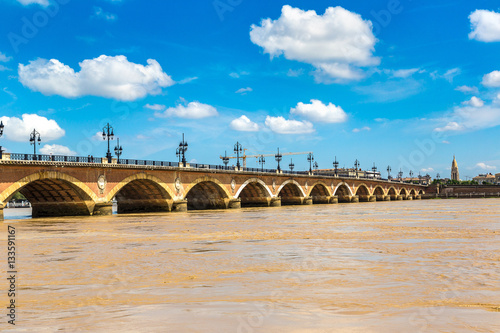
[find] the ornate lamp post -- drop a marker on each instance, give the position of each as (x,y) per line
(34,138)
(238,149)
(1,133)
(400,175)
(316,166)
(310,159)
(107,134)
(374,169)
(438,176)
(262,161)
(411,176)
(181,151)
(118,150)
(225,159)
(389,172)
(335,165)
(419,178)
(291,165)
(356,166)
(278,158)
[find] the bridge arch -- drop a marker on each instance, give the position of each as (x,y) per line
(320,193)
(403,192)
(207,193)
(393,193)
(378,190)
(413,193)
(291,185)
(343,192)
(53,193)
(363,192)
(142,192)
(254,192)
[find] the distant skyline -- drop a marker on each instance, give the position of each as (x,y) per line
(402,83)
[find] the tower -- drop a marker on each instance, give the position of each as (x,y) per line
(454,170)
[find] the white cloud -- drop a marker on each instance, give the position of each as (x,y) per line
(319,112)
(484,166)
(44,3)
(56,150)
(187,80)
(105,76)
(357,130)
(467,89)
(492,79)
(243,91)
(4,58)
(337,43)
(445,142)
(401,73)
(475,102)
(3,68)
(243,124)
(193,110)
(485,26)
(19,130)
(449,75)
(235,75)
(283,126)
(295,73)
(427,170)
(100,13)
(451,126)
(155,107)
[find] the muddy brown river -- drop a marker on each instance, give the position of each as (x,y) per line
(412,266)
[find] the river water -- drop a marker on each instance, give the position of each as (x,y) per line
(412,266)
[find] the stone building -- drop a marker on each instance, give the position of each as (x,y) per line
(483,179)
(454,170)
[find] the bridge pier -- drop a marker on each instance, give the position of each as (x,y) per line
(408,197)
(334,199)
(418,197)
(234,204)
(275,202)
(180,206)
(355,198)
(387,198)
(399,197)
(320,200)
(344,198)
(288,201)
(102,209)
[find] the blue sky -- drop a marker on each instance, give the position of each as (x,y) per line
(401,83)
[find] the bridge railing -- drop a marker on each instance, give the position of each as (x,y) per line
(54,158)
(146,162)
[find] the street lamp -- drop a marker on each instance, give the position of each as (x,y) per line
(238,149)
(335,165)
(310,159)
(419,178)
(438,176)
(389,172)
(316,166)
(374,169)
(291,165)
(278,158)
(107,134)
(225,159)
(181,151)
(262,161)
(34,138)
(118,150)
(356,166)
(400,175)
(1,133)
(411,176)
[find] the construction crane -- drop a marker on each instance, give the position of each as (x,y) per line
(245,156)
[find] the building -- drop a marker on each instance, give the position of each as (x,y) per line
(455,175)
(488,178)
(497,178)
(350,172)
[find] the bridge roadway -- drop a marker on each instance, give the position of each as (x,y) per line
(57,188)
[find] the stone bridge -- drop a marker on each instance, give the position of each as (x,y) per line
(72,188)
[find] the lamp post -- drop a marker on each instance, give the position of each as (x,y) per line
(389,172)
(310,159)
(238,149)
(118,150)
(225,159)
(262,161)
(411,176)
(1,133)
(356,166)
(291,165)
(400,175)
(316,166)
(34,138)
(335,165)
(438,176)
(181,151)
(419,178)
(107,134)
(278,158)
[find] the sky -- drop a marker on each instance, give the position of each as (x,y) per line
(406,84)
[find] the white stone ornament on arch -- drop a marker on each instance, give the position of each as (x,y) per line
(101,183)
(178,184)
(306,186)
(274,184)
(233,184)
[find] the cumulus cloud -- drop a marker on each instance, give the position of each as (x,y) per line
(193,110)
(338,43)
(4,58)
(449,75)
(467,89)
(484,166)
(57,150)
(485,26)
(105,76)
(284,126)
(244,124)
(492,79)
(244,91)
(44,3)
(401,73)
(475,102)
(19,130)
(357,130)
(451,126)
(318,112)
(155,107)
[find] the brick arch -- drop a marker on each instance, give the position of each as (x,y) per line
(364,188)
(149,179)
(344,185)
(375,190)
(322,187)
(267,191)
(291,181)
(83,190)
(403,191)
(412,192)
(208,179)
